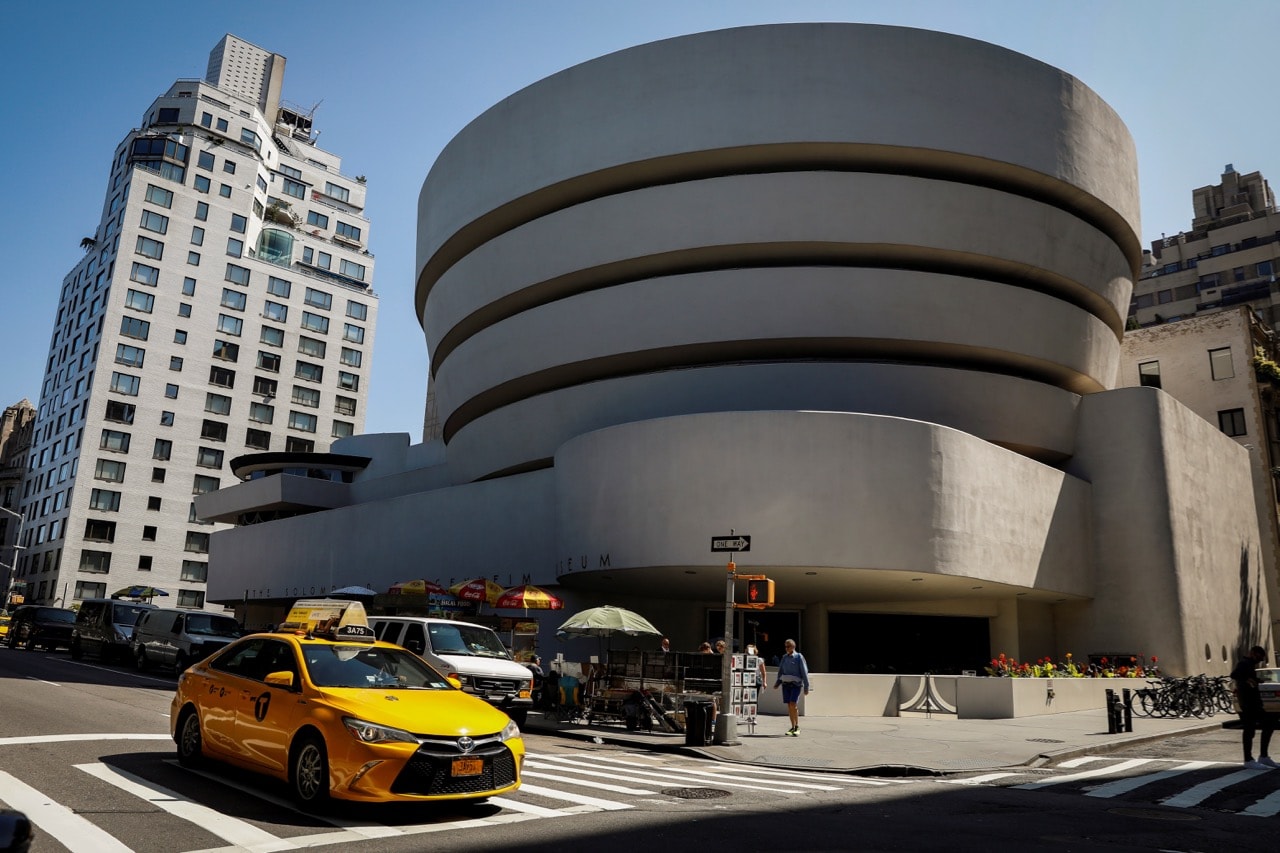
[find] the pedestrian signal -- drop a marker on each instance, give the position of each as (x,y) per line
(760,592)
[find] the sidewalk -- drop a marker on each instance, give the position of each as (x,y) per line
(905,745)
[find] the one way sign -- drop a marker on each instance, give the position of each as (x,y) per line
(731,543)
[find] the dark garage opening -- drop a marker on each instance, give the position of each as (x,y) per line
(882,643)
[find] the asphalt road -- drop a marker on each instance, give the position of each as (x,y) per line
(84,750)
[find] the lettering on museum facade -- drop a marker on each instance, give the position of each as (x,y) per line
(581,563)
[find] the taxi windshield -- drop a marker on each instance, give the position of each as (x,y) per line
(466,640)
(363,666)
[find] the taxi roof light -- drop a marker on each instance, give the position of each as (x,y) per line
(329,618)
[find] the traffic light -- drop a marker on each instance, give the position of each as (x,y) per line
(760,592)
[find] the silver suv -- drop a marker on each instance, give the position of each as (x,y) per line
(178,638)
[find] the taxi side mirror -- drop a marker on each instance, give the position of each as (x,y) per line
(455,681)
(284,678)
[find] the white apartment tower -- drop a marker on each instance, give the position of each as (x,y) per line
(224,306)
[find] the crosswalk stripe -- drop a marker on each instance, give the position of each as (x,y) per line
(60,823)
(977,780)
(1124,786)
(1085,774)
(603,786)
(1199,793)
(1266,807)
(1077,762)
(525,808)
(670,777)
(670,772)
(580,799)
(230,829)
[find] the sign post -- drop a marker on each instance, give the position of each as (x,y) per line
(726,732)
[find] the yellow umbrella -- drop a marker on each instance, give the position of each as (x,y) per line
(477,589)
(417,587)
(528,596)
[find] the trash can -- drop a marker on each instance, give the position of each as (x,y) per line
(698,714)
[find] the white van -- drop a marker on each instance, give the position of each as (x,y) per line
(473,653)
(178,638)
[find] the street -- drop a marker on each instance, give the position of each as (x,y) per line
(85,752)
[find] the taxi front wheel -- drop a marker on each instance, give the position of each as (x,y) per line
(190,743)
(309,771)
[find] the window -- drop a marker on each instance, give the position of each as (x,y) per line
(230,325)
(235,248)
(351,269)
(1231,421)
(344,405)
(1164,297)
(207,457)
(1220,365)
(188,287)
(307,371)
(229,167)
(197,543)
(319,220)
(163,449)
(86,589)
(147,247)
(237,274)
(120,412)
(166,419)
(130,356)
(271,336)
(221,125)
(153,504)
(201,184)
(179,336)
(218,404)
(222,377)
(193,259)
(1238,274)
(192,598)
(143,274)
(1149,374)
(1266,268)
(353,333)
(342,429)
(152,221)
(293,188)
(301,421)
(202,210)
(264,386)
(351,232)
(335,191)
(350,357)
(159,196)
(99,530)
(257,439)
(348,381)
(315,322)
(248,137)
(261,413)
(95,562)
(114,440)
(206,120)
(171,391)
(123,383)
(109,470)
(324,260)
(233,299)
(194,572)
(213,430)
(184,309)
(139,301)
(134,327)
(202,484)
(311,346)
(306,396)
(268,361)
(307,253)
(278,287)
(318,299)
(1220,250)
(157,475)
(357,310)
(299,445)
(205,160)
(276,312)
(104,500)
(175,362)
(239,223)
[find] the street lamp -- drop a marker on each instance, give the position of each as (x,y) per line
(6,584)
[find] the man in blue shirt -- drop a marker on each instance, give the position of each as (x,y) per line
(793,678)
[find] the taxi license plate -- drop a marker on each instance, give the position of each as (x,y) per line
(468,766)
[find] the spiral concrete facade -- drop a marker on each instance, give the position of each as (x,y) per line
(855,291)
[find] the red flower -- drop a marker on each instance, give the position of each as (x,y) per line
(1104,661)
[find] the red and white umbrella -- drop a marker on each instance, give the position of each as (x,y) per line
(528,597)
(477,589)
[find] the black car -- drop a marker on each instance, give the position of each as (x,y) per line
(35,626)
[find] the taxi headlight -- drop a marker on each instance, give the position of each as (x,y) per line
(367,732)
(511,731)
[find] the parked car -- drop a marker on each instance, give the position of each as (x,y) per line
(1269,687)
(174,637)
(473,653)
(4,625)
(34,626)
(104,628)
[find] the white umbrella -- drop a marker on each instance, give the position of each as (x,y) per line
(607,620)
(354,590)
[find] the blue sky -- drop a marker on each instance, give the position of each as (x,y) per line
(396,79)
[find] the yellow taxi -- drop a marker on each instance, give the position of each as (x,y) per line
(321,704)
(4,624)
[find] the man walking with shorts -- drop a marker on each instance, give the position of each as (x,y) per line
(793,678)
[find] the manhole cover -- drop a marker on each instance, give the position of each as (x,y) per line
(1154,814)
(696,793)
(1043,740)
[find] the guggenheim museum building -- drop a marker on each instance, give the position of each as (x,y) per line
(855,292)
